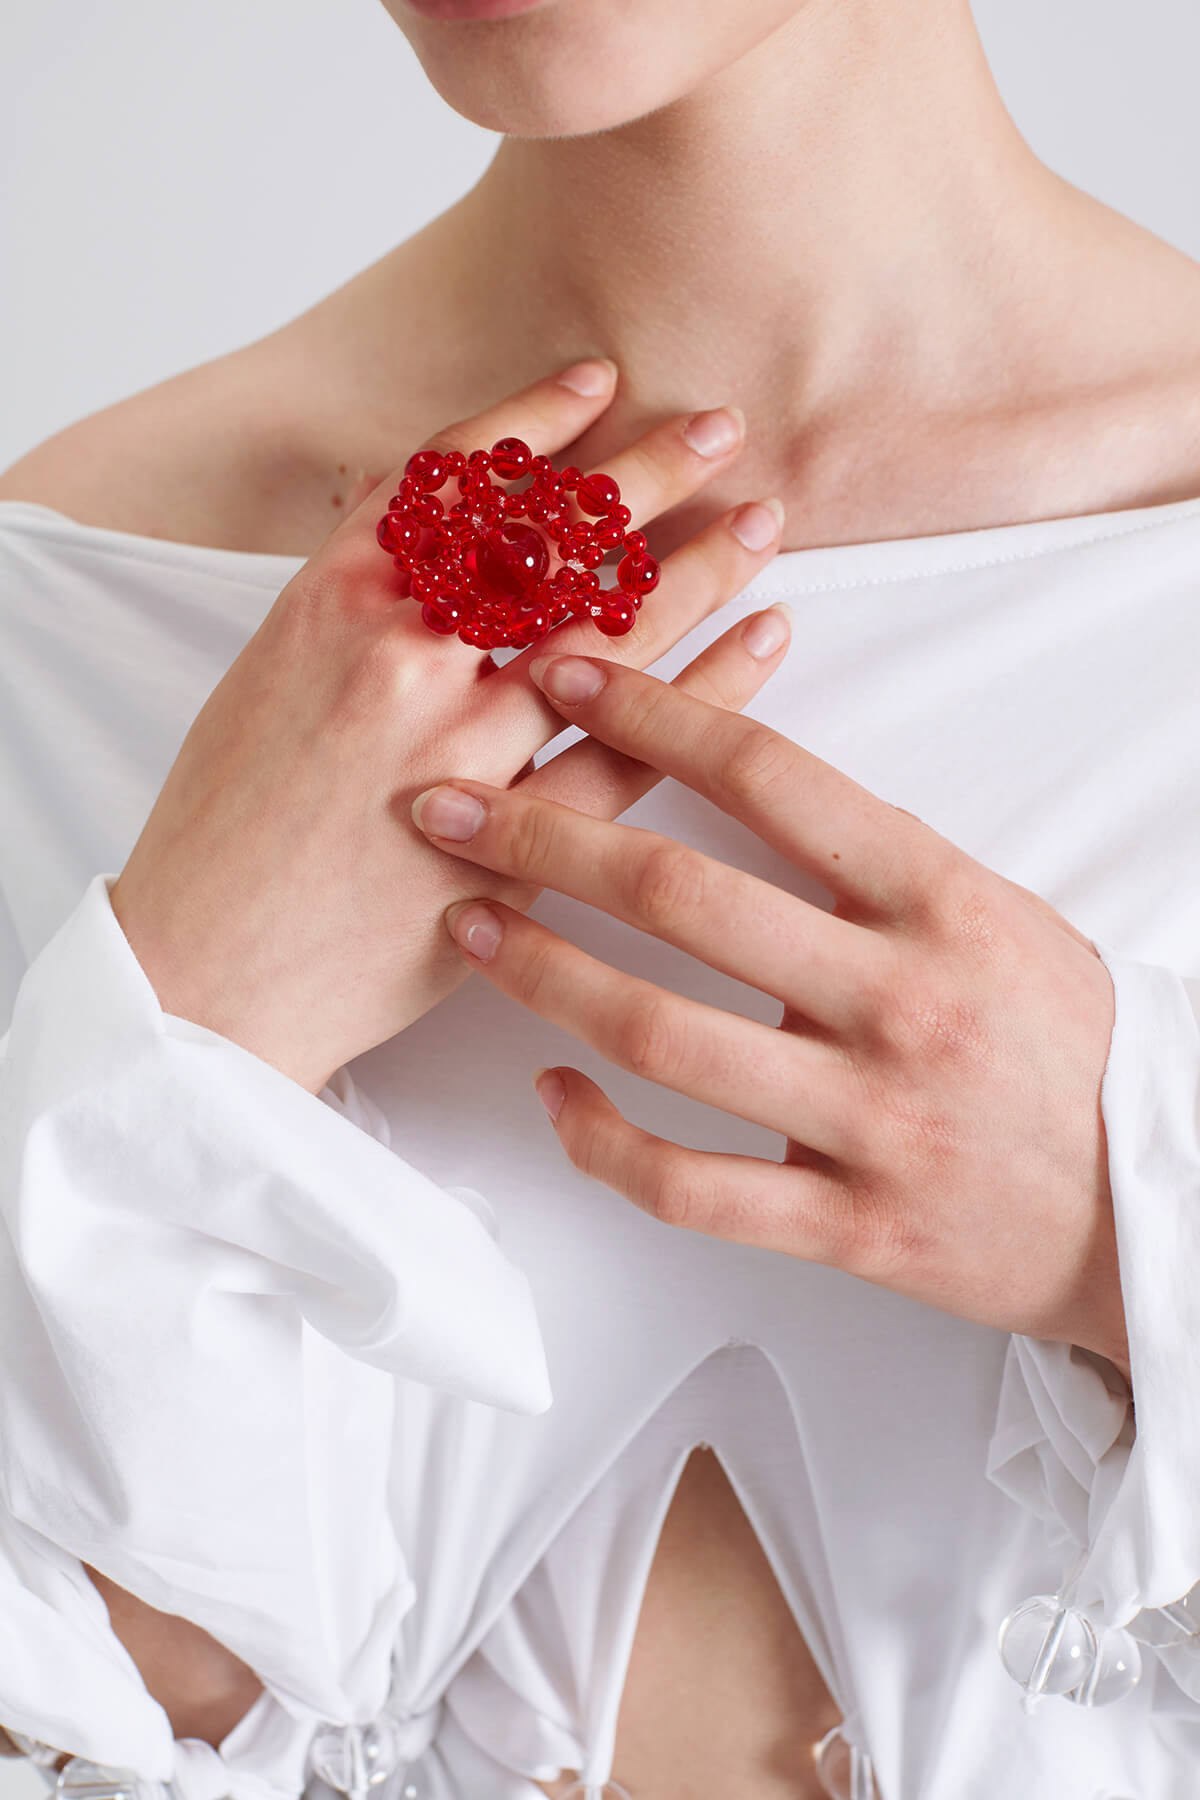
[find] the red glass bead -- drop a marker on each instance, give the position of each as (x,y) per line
(397,531)
(538,507)
(637,574)
(442,619)
(622,515)
(608,534)
(635,542)
(528,626)
(571,476)
(453,583)
(598,493)
(511,458)
(427,509)
(424,585)
(478,463)
(426,468)
(615,616)
(456,462)
(508,565)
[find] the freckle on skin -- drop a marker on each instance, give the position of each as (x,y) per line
(837,856)
(341,468)
(337,499)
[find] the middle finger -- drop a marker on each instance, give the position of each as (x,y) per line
(828,969)
(671,461)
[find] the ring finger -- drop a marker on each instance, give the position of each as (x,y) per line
(697,579)
(786,1083)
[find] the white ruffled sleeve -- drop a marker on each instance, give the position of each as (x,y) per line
(1115,1476)
(208,1279)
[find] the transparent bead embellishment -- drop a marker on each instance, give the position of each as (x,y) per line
(1162,1626)
(844,1771)
(1046,1647)
(355,1758)
(81,1779)
(45,1755)
(1116,1671)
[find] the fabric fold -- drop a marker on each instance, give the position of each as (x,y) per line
(209,1280)
(1115,1476)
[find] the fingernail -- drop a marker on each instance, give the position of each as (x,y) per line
(447,812)
(715,433)
(758,523)
(595,376)
(475,928)
(768,631)
(550,1091)
(571,679)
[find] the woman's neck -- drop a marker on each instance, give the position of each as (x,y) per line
(845,234)
(827,213)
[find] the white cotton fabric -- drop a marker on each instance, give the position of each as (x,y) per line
(283,1363)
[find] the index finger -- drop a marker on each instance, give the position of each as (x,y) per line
(550,413)
(860,847)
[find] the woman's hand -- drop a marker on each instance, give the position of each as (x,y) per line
(944,1033)
(278,893)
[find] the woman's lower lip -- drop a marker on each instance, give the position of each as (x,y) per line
(472,9)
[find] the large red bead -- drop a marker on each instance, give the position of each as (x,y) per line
(507,565)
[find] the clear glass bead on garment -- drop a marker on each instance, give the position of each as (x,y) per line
(81,1779)
(45,1755)
(1046,1647)
(1115,1672)
(1162,1626)
(844,1771)
(1049,1648)
(355,1758)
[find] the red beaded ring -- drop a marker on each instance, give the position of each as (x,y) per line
(478,571)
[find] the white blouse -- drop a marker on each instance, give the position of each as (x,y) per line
(376,1388)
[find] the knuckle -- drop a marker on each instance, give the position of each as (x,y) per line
(881,1237)
(585,1138)
(668,885)
(758,760)
(921,1140)
(932,1027)
(529,836)
(535,971)
(648,1040)
(373,683)
(667,1193)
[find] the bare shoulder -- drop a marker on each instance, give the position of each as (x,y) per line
(218,455)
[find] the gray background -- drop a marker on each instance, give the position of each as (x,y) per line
(179,179)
